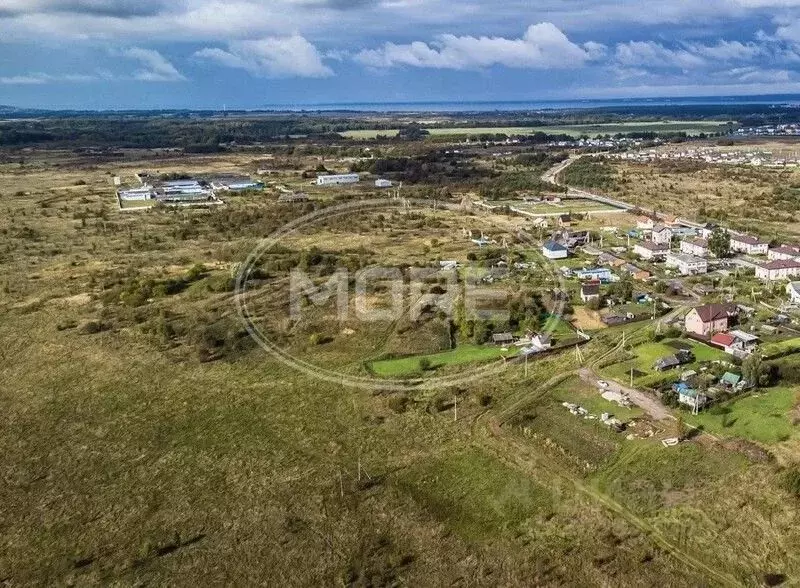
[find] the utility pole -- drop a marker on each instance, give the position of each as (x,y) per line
(455,408)
(631,377)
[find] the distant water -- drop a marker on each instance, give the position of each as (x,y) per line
(523,105)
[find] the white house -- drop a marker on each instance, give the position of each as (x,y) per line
(661,234)
(553,250)
(793,290)
(650,250)
(687,265)
(780,269)
(748,244)
(330,179)
(590,291)
(697,247)
(644,223)
(783,252)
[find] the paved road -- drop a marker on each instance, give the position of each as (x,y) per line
(647,403)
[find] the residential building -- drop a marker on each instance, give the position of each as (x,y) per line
(687,265)
(689,396)
(650,250)
(502,338)
(635,272)
(749,245)
(602,274)
(661,235)
(780,269)
(331,179)
(553,250)
(784,252)
(737,343)
(793,290)
(710,318)
(697,247)
(381,183)
(590,291)
(644,223)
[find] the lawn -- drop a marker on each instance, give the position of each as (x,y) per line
(404,366)
(648,353)
(760,417)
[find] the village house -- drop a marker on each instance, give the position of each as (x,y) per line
(661,235)
(780,269)
(784,252)
(737,343)
(590,291)
(554,250)
(748,244)
(689,396)
(793,290)
(697,247)
(644,223)
(650,250)
(710,318)
(687,265)
(502,338)
(635,272)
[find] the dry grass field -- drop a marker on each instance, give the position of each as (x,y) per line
(147,440)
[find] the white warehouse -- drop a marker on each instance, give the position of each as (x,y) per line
(330,179)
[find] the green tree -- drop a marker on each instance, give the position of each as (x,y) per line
(753,369)
(720,243)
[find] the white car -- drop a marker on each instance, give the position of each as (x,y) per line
(602,384)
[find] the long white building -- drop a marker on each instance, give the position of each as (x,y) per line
(331,179)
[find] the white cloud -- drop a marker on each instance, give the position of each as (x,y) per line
(272,57)
(155,67)
(38,78)
(652,54)
(543,46)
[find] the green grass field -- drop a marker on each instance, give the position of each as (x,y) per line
(648,353)
(689,127)
(404,366)
(762,417)
(781,348)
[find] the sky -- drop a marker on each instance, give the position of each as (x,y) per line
(121,54)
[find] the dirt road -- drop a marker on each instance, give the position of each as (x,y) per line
(650,405)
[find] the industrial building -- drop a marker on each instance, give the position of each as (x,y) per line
(235,183)
(332,179)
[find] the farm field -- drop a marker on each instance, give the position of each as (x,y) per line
(747,198)
(689,127)
(566,206)
(404,366)
(148,440)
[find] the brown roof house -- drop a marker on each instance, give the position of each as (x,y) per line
(710,318)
